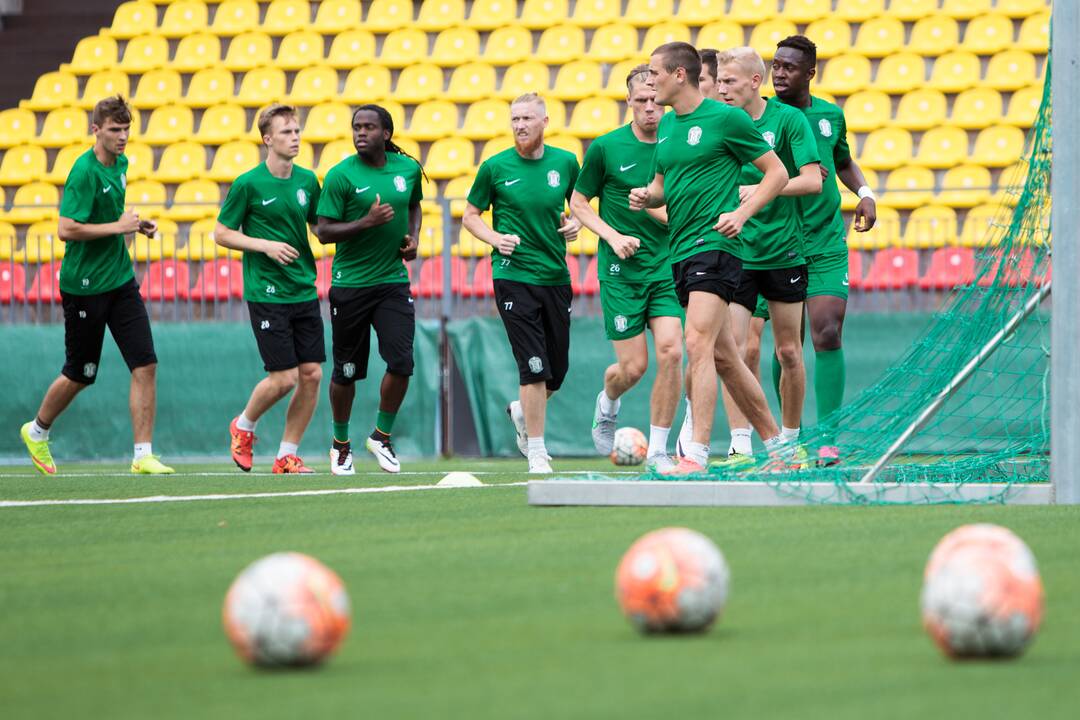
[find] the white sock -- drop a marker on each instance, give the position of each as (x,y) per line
(607,405)
(740,441)
(242,423)
(536,447)
(789,434)
(774,443)
(142,450)
(699,453)
(286,448)
(658,437)
(38,433)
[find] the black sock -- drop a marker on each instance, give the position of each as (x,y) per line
(380,436)
(338,445)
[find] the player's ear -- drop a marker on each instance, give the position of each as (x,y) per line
(546,121)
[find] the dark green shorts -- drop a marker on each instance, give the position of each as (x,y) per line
(761,310)
(629,305)
(827,275)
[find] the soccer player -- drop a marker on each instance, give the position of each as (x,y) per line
(793,66)
(266,215)
(370,207)
(636,287)
(707,80)
(98,289)
(701,148)
(527,187)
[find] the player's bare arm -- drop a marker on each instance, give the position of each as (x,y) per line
(280,252)
(411,241)
(474,223)
(807,182)
(335,231)
(774,180)
(650,196)
(866,211)
(129,223)
(623,245)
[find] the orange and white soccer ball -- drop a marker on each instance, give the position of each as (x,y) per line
(286,609)
(982,595)
(629,447)
(672,580)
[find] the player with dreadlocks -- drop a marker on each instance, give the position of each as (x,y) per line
(370,208)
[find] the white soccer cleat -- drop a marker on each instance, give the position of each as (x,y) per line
(686,436)
(660,463)
(384,454)
(341,462)
(539,465)
(603,428)
(517,416)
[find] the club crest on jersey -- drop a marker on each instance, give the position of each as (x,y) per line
(694,136)
(348,370)
(825,127)
(769,138)
(301,197)
(399,183)
(621,323)
(553,180)
(123,181)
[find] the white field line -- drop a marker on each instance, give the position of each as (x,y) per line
(236,475)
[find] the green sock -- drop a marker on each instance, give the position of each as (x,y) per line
(776,371)
(384,421)
(341,431)
(829,379)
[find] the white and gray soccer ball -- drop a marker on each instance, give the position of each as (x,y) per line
(630,447)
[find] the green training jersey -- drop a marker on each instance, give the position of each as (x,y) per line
(700,155)
(373,256)
(272,208)
(825,231)
(774,238)
(528,198)
(94,195)
(615,164)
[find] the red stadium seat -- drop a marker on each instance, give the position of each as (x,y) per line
(893,269)
(12,284)
(45,287)
(949,267)
(430,283)
(591,285)
(482,286)
(574,267)
(165,280)
(322,276)
(855,270)
(1018,270)
(218,281)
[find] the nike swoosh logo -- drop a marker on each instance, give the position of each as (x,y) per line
(699,273)
(844,283)
(624,168)
(795,280)
(360,190)
(508,183)
(107,189)
(661,141)
(267,202)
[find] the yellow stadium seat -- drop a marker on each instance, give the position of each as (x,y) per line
(718,34)
(306,157)
(930,226)
(955,71)
(431,236)
(157,88)
(832,37)
(333,153)
(594,117)
(64,126)
(41,245)
(486,119)
(194,200)
(1023,107)
(988,34)
(94,53)
(578,80)
(53,90)
(261,86)
(934,35)
(884,234)
(314,85)
(132,19)
(221,123)
(200,243)
(614,42)
(249,51)
(235,16)
(1035,33)
(449,157)
(998,146)
(182,161)
(140,157)
(561,44)
(978,226)
(556,110)
(698,13)
(616,84)
(168,124)
(542,14)
(663,33)
(22,164)
(492,14)
(752,11)
(160,247)
(17,126)
(300,50)
(765,35)
(921,110)
(965,186)
(807,11)
(909,187)
(418,83)
(404,47)
(33,203)
(196,52)
(328,121)
(366,83)
(469,246)
(105,84)
(886,149)
(351,49)
(146,196)
(900,73)
(457,189)
(335,16)
(976,108)
(867,110)
(432,120)
(880,37)
(1011,70)
(523,78)
(471,82)
(965,9)
(212,86)
(569,143)
(845,74)
(508,45)
(232,159)
(909,10)
(441,14)
(643,13)
(7,235)
(397,114)
(1020,8)
(942,147)
(594,13)
(183,18)
(860,10)
(386,15)
(456,46)
(286,16)
(145,52)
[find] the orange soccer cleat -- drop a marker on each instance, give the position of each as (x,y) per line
(242,442)
(291,464)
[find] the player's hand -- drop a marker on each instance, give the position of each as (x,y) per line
(639,198)
(506,244)
(746,192)
(624,245)
(408,248)
(824,172)
(148,227)
(379,213)
(865,214)
(730,224)
(282,253)
(128,222)
(570,227)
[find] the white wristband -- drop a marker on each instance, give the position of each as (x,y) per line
(866,192)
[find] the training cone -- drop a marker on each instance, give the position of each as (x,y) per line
(459,479)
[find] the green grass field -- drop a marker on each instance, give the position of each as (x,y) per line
(468,603)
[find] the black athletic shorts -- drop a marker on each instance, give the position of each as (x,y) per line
(288,333)
(354,311)
(787,285)
(85,319)
(537,321)
(712,271)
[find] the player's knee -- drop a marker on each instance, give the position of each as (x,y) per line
(725,357)
(310,374)
(633,369)
(145,372)
(669,352)
(752,355)
(789,354)
(698,344)
(285,380)
(827,337)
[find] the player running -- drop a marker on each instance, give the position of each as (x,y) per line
(527,187)
(636,288)
(98,289)
(701,148)
(266,215)
(370,207)
(793,66)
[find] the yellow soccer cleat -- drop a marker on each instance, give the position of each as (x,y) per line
(39,451)
(150,465)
